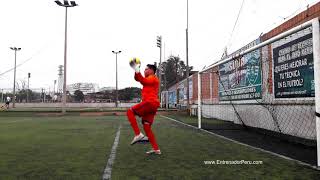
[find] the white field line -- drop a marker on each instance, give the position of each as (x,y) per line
(107,171)
(16,121)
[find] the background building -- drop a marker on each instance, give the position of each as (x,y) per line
(84,87)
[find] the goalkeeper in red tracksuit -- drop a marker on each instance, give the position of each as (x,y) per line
(147,109)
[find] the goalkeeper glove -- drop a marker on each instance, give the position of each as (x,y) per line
(136,68)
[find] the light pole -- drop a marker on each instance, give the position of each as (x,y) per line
(116,52)
(187,55)
(54,86)
(159,45)
(44,95)
(28,88)
(66,5)
(15,49)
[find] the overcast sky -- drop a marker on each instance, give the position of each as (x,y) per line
(95,28)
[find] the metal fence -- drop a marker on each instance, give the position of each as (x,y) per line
(271,86)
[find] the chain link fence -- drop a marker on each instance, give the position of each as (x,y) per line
(270,89)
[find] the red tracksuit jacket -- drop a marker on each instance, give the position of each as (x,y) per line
(150,88)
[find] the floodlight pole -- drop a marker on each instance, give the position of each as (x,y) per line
(116,52)
(54,86)
(15,49)
(187,56)
(66,5)
(64,99)
(28,88)
(160,76)
(159,45)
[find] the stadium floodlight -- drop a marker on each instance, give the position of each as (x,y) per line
(73,3)
(116,52)
(59,3)
(15,49)
(65,4)
(159,40)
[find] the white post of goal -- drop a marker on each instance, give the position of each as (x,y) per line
(316,61)
(199,100)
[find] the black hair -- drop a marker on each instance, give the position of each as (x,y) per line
(153,67)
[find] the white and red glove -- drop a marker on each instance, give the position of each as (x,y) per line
(136,68)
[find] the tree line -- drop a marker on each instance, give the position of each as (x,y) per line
(173,71)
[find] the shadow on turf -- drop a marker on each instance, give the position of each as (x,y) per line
(296,148)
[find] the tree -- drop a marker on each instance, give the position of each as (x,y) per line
(23,83)
(21,95)
(79,96)
(124,95)
(17,86)
(174,70)
(130,93)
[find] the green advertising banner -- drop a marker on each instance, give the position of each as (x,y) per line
(240,78)
(293,68)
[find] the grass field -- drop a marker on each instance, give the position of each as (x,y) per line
(78,147)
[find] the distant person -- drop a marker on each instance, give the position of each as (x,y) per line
(55,98)
(8,102)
